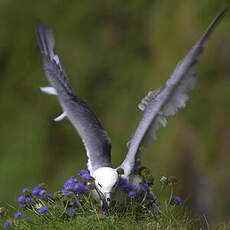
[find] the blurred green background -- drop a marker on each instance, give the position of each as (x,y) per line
(114,52)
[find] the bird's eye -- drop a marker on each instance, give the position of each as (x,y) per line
(100,185)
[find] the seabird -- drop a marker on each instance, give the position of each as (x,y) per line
(156,106)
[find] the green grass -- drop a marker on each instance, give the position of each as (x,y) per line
(170,217)
(134,213)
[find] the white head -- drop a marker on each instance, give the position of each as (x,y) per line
(106,180)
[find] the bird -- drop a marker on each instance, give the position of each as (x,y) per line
(156,106)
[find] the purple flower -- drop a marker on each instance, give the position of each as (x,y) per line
(37,187)
(17,215)
(132,193)
(151,196)
(35,191)
(85,190)
(85,176)
(82,172)
(42,210)
(73,179)
(132,187)
(80,188)
(177,199)
(144,187)
(70,211)
(123,182)
(104,205)
(66,184)
(6,224)
(42,192)
(124,185)
(50,196)
(65,192)
(74,202)
(68,187)
(28,199)
(70,181)
(25,190)
(27,219)
(21,199)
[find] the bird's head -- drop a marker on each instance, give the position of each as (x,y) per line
(106,181)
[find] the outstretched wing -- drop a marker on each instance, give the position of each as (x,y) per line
(94,137)
(165,101)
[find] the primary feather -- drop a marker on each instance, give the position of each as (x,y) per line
(94,137)
(165,101)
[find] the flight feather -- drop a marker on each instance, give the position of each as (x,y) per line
(94,137)
(165,101)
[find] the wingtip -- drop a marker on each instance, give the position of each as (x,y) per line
(39,23)
(45,38)
(39,31)
(224,8)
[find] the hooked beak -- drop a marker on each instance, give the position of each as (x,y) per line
(108,199)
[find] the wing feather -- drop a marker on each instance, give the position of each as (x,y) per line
(165,102)
(94,137)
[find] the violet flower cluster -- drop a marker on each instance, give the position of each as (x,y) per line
(29,199)
(128,188)
(39,200)
(73,185)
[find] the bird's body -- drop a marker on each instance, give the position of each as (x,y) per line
(156,107)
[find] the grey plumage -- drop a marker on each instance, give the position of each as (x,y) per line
(167,100)
(94,137)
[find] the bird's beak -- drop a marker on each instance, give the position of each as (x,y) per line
(108,199)
(108,203)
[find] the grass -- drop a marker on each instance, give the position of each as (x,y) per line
(120,218)
(77,210)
